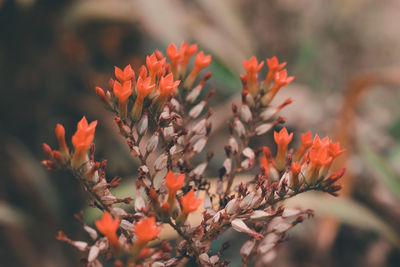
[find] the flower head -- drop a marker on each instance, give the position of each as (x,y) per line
(282,139)
(168,85)
(146,230)
(174,183)
(251,66)
(143,87)
(306,143)
(273,64)
(190,203)
(154,65)
(125,75)
(84,135)
(188,52)
(281,78)
(201,61)
(108,226)
(122,92)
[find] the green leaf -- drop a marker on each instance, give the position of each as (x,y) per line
(382,168)
(347,211)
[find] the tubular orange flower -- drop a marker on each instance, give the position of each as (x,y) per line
(154,65)
(168,85)
(281,80)
(306,142)
(145,231)
(252,67)
(319,158)
(190,203)
(174,56)
(81,140)
(122,92)
(188,52)
(201,61)
(295,169)
(273,68)
(173,184)
(282,139)
(126,75)
(60,133)
(108,227)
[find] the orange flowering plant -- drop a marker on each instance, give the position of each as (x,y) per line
(161,112)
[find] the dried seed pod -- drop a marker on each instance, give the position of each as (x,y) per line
(135,151)
(248,153)
(199,128)
(199,170)
(92,233)
(93,253)
(228,165)
(109,199)
(245,113)
(168,132)
(247,248)
(200,144)
(268,243)
(204,259)
(233,144)
(153,142)
(240,226)
(143,125)
(139,204)
(233,206)
(263,128)
(196,110)
(238,127)
(80,245)
(161,162)
(194,94)
(279,225)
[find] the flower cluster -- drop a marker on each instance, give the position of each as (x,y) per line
(161,113)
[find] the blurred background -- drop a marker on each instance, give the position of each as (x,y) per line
(345,55)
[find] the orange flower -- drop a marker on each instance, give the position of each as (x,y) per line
(282,139)
(143,88)
(81,140)
(108,227)
(167,85)
(201,61)
(174,183)
(122,92)
(295,169)
(281,80)
(273,68)
(175,57)
(252,67)
(190,203)
(60,133)
(306,142)
(126,75)
(146,230)
(154,65)
(188,52)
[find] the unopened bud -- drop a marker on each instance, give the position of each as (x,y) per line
(233,144)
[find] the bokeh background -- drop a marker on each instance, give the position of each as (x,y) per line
(345,55)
